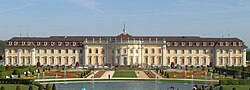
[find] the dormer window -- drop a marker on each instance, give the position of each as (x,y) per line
(190,43)
(38,43)
(15,43)
(226,43)
(234,43)
(28,43)
(59,43)
(197,43)
(45,43)
(74,43)
(212,43)
(66,43)
(182,43)
(204,43)
(221,43)
(23,43)
(168,43)
(52,43)
(175,43)
(240,43)
(10,43)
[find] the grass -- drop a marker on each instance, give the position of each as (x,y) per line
(13,86)
(127,74)
(230,87)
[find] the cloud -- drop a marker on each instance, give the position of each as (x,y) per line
(89,4)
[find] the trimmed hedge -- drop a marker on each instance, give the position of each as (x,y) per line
(6,73)
(17,81)
(229,71)
(234,82)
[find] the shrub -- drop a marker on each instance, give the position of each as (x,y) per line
(2,88)
(18,88)
(47,86)
(6,73)
(234,88)
(221,87)
(30,87)
(54,87)
(40,87)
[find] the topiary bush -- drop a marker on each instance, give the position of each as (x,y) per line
(54,87)
(2,88)
(18,88)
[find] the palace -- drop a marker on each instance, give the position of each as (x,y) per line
(125,50)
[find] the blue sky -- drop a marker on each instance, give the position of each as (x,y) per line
(205,18)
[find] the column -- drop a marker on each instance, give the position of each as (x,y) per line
(6,56)
(19,56)
(85,59)
(164,62)
(33,56)
(244,57)
(230,57)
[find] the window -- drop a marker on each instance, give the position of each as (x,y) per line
(59,60)
(67,51)
(74,51)
(197,61)
(59,51)
(131,50)
(211,51)
(137,51)
(146,59)
(52,51)
(96,60)
(240,60)
(227,60)
(189,60)
(45,60)
(73,60)
(137,60)
(221,60)
(113,51)
(190,51)
(28,61)
(239,51)
(197,52)
(227,51)
(221,51)
(204,51)
(23,51)
(45,51)
(96,51)
(159,60)
(153,51)
(234,51)
(80,51)
(38,51)
(52,60)
(153,60)
(124,51)
(103,51)
(168,51)
(175,51)
(66,60)
(182,51)
(204,60)
(175,60)
(90,50)
(182,61)
(159,50)
(146,51)
(118,51)
(168,58)
(131,60)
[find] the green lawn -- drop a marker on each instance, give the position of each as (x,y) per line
(13,86)
(238,87)
(127,74)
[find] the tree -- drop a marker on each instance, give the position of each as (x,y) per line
(234,88)
(248,54)
(40,87)
(18,88)
(47,86)
(2,88)
(54,87)
(30,87)
(221,87)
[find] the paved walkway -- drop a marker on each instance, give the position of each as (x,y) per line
(153,71)
(141,74)
(106,74)
(91,76)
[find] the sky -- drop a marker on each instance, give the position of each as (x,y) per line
(204,18)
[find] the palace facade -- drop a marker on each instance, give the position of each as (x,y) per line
(125,50)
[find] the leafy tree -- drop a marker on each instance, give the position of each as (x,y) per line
(248,54)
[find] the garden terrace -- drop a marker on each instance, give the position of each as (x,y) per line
(150,74)
(125,73)
(99,74)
